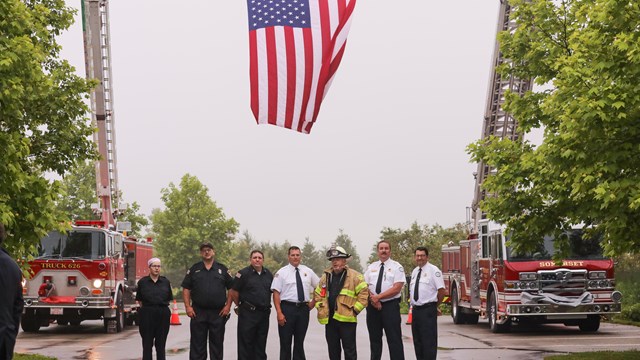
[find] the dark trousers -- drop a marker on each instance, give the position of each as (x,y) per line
(154,326)
(336,332)
(424,328)
(253,328)
(7,341)
(207,323)
(295,328)
(388,319)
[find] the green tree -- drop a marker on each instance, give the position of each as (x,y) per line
(43,124)
(78,192)
(344,240)
(404,242)
(238,255)
(314,259)
(138,221)
(587,169)
(190,218)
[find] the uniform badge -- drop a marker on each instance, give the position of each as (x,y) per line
(305,274)
(438,274)
(238,275)
(220,271)
(188,271)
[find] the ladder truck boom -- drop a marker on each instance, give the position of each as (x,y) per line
(497,122)
(97,52)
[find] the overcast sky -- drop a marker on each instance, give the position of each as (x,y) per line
(388,147)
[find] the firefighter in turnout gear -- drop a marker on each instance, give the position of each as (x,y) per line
(340,296)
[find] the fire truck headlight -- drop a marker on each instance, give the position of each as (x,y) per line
(525,276)
(616,296)
(97,283)
(597,275)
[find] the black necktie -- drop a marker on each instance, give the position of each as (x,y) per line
(299,286)
(415,288)
(379,283)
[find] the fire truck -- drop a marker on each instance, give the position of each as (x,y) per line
(484,277)
(88,273)
(91,271)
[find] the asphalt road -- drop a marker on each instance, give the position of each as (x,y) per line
(88,341)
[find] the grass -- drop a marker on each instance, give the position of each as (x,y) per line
(619,320)
(31,357)
(609,355)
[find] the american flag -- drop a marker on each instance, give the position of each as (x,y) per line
(295,48)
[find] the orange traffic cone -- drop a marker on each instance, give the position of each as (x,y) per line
(175,318)
(410,317)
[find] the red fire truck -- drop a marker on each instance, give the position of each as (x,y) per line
(91,271)
(87,273)
(484,277)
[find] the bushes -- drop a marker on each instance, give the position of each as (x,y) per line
(631,312)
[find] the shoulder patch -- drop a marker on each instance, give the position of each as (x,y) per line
(220,271)
(238,275)
(438,274)
(401,269)
(276,275)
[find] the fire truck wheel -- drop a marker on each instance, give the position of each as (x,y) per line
(30,324)
(456,311)
(493,317)
(120,313)
(591,324)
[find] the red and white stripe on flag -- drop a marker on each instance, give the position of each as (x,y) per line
(295,49)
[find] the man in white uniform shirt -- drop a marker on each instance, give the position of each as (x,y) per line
(292,286)
(427,292)
(385,278)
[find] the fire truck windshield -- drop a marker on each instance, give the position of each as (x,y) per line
(75,244)
(581,248)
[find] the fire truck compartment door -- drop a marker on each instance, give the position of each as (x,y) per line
(474,252)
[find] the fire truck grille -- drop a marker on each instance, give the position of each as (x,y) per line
(563,281)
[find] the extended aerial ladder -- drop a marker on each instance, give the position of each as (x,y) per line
(97,54)
(497,122)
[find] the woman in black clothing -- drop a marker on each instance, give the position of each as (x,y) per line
(154,294)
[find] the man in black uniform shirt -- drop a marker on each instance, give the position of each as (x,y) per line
(204,290)
(154,317)
(10,300)
(252,292)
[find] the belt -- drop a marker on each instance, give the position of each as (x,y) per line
(425,305)
(249,306)
(389,301)
(296,304)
